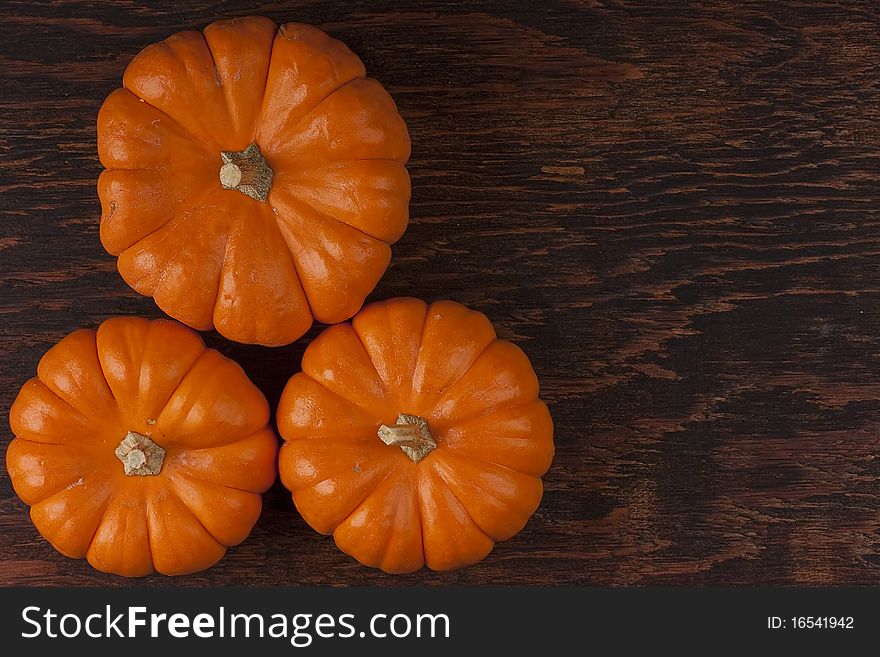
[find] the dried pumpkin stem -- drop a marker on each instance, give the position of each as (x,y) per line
(411,434)
(140,456)
(247,172)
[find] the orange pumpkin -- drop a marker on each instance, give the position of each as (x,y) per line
(254,178)
(140,449)
(414,436)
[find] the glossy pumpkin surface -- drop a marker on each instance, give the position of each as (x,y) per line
(254,178)
(415,436)
(140,449)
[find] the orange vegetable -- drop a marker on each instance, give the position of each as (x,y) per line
(140,450)
(414,436)
(255,178)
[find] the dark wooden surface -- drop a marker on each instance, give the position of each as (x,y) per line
(672,207)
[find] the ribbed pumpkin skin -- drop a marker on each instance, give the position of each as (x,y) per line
(211,257)
(441,362)
(158,379)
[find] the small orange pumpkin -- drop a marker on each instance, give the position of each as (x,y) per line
(254,178)
(140,449)
(414,436)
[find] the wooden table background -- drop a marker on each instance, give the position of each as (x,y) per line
(672,207)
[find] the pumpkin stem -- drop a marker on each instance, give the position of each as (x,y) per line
(247,172)
(411,434)
(140,456)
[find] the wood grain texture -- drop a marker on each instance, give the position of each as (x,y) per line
(672,207)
